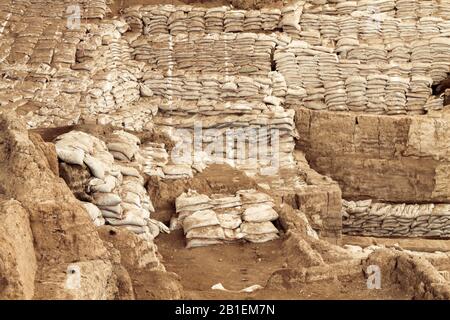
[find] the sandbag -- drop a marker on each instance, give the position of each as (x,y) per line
(106,199)
(96,167)
(70,155)
(260,213)
(105,186)
(200,219)
(230,219)
(261,238)
(258,227)
(196,243)
(93,211)
(127,150)
(210,232)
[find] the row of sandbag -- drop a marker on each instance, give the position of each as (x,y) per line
(369,28)
(221,218)
(322,80)
(228,53)
(402,9)
(370,218)
(116,187)
(245,135)
(206,90)
(175,19)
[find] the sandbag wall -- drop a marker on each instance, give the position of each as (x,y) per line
(157,19)
(403,9)
(367,218)
(226,53)
(373,80)
(106,176)
(248,216)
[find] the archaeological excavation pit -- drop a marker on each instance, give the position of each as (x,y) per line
(221,149)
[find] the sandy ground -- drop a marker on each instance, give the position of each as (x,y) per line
(238,266)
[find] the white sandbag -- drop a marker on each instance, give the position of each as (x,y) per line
(199,219)
(128,220)
(110,214)
(106,199)
(127,150)
(70,155)
(107,185)
(129,171)
(131,197)
(261,238)
(259,213)
(116,209)
(196,243)
(95,166)
(258,227)
(175,224)
(119,156)
(100,221)
(93,211)
(210,232)
(230,219)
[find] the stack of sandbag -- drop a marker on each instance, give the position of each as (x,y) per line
(155,19)
(434,103)
(396,90)
(248,215)
(290,21)
(115,187)
(257,217)
(418,94)
(234,20)
(356,93)
(369,218)
(253,21)
(178,20)
(214,19)
(133,17)
(270,18)
(196,20)
(440,65)
(154,157)
(376,92)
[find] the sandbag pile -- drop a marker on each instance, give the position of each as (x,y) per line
(178,19)
(115,187)
(202,92)
(229,54)
(369,218)
(248,216)
(377,79)
(247,123)
(154,158)
(136,116)
(290,21)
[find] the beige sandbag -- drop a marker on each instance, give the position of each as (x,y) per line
(261,238)
(96,167)
(106,199)
(196,243)
(229,219)
(259,213)
(93,211)
(210,232)
(107,185)
(124,148)
(70,155)
(258,227)
(199,219)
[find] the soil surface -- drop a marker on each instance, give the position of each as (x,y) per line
(238,266)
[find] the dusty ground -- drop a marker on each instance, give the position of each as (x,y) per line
(239,266)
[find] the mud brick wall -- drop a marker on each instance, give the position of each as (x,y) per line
(394,159)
